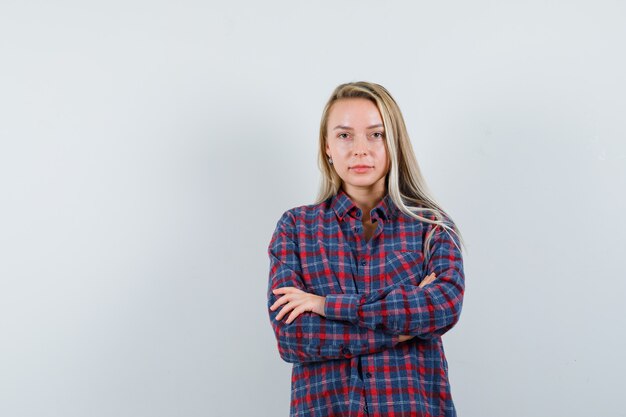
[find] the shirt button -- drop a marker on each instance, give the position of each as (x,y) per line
(364,408)
(363,262)
(368,375)
(345,350)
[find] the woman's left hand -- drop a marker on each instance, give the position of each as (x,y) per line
(298,302)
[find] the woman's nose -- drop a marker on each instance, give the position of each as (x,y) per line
(360,145)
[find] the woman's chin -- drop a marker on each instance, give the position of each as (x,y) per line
(362,182)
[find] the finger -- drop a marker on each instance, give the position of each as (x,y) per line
(286,290)
(284,300)
(295,313)
(275,305)
(286,309)
(428,280)
(283,311)
(280,301)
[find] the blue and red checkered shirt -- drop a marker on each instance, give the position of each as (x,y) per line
(350,362)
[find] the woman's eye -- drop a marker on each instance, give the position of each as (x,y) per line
(343,136)
(378,135)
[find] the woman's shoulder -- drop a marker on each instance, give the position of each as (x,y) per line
(306,213)
(426,218)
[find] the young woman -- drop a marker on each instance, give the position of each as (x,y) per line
(364,282)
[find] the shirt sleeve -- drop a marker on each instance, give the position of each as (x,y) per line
(311,337)
(405,308)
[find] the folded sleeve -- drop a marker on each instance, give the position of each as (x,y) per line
(404,307)
(311,337)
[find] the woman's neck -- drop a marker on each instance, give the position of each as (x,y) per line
(365,198)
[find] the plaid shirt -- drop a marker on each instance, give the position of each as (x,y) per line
(350,363)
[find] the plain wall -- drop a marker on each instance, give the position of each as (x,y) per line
(147,150)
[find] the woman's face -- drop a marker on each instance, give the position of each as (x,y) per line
(355,140)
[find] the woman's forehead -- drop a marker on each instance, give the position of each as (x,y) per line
(354,112)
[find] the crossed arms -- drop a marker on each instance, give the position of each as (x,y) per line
(311,328)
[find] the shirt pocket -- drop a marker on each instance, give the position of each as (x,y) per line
(404,267)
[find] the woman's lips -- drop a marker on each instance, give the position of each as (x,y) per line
(359,169)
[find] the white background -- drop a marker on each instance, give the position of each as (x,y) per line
(148,148)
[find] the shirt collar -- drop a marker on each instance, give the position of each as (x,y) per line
(342,205)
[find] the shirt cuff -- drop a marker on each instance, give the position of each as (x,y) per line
(342,307)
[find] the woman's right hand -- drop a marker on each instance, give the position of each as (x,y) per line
(425,281)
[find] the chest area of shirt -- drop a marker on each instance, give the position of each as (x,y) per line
(352,257)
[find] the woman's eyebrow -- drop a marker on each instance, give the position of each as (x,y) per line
(349,128)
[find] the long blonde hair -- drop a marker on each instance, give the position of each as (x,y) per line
(404,182)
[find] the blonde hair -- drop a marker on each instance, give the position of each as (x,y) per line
(404,181)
